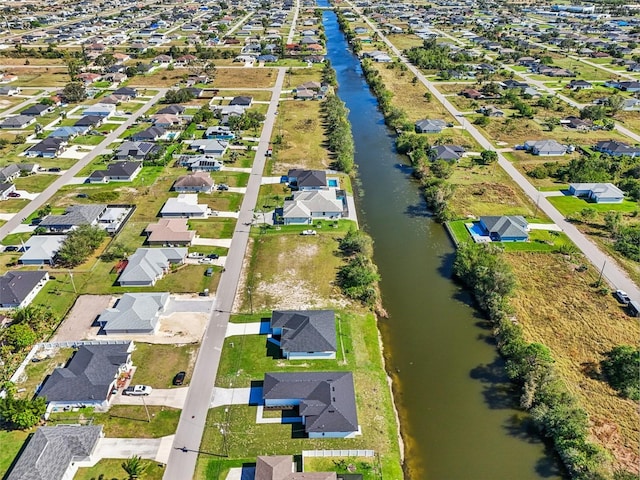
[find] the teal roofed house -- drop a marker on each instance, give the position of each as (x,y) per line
(506,228)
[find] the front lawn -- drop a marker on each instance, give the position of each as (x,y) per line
(34,183)
(213,227)
(111,469)
(157,364)
(125,421)
(569,205)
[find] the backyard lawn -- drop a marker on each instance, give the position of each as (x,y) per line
(11,441)
(34,183)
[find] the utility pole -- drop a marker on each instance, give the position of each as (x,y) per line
(146,409)
(601,273)
(72,282)
(250,299)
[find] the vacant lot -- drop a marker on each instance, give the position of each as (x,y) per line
(409,96)
(556,305)
(290,271)
(487,190)
(245,78)
(299,124)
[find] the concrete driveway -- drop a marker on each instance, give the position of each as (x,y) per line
(236,396)
(167,397)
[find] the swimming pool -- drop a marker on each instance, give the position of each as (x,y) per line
(478,233)
(332,182)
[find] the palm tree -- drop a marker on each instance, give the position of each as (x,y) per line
(134,467)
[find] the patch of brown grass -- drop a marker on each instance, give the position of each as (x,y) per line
(300,124)
(556,306)
(409,96)
(245,77)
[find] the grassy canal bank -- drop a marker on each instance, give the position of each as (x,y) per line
(546,304)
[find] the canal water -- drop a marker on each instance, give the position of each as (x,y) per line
(456,406)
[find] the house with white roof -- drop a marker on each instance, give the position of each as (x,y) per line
(597,192)
(184,205)
(308,205)
(148,265)
(134,313)
(41,249)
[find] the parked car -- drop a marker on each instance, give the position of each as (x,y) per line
(622,296)
(213,256)
(208,272)
(179,378)
(54,169)
(223,186)
(195,255)
(12,248)
(137,390)
(205,260)
(82,195)
(308,232)
(14,194)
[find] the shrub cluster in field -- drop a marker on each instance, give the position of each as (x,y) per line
(358,278)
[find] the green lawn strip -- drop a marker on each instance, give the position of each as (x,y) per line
(233,179)
(157,364)
(244,438)
(35,373)
(13,205)
(216,227)
(539,241)
(222,201)
(125,421)
(16,238)
(131,236)
(87,140)
(34,183)
(184,279)
(111,468)
(12,442)
(570,205)
(459,231)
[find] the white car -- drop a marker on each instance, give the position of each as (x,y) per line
(195,255)
(137,390)
(622,296)
(309,232)
(206,260)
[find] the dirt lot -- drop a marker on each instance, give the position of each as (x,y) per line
(77,326)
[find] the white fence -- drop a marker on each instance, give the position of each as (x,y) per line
(338,453)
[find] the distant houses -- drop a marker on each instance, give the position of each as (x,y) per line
(545,148)
(430,126)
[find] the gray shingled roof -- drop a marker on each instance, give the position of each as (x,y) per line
(74,216)
(15,286)
(88,375)
(306,330)
(51,449)
(117,169)
(506,226)
(327,399)
(147,264)
(309,178)
(134,311)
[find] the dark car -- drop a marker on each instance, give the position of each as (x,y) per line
(215,256)
(11,248)
(82,195)
(179,378)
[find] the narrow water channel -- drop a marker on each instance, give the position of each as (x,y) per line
(455,404)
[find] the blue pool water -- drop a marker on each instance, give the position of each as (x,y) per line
(476,229)
(332,183)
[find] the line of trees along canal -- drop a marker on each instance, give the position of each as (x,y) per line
(554,411)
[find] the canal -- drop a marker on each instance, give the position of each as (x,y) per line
(456,406)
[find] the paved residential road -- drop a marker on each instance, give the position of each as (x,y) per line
(41,199)
(612,272)
(183,456)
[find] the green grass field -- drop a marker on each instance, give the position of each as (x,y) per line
(12,442)
(570,205)
(157,364)
(112,470)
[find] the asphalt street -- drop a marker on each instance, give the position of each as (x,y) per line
(184,454)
